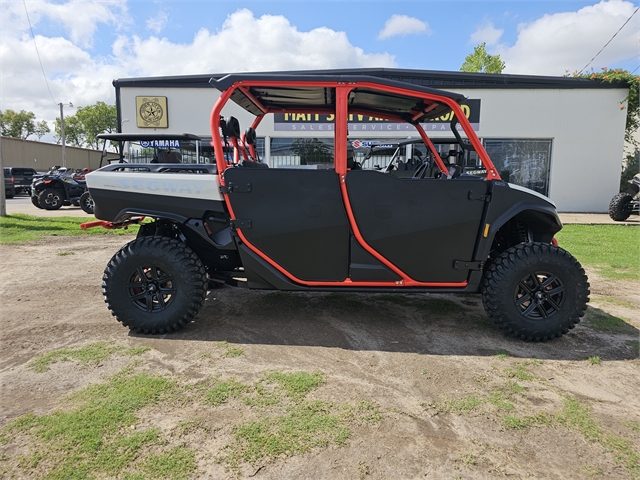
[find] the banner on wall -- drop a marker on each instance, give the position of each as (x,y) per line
(312,122)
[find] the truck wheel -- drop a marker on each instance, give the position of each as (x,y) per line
(86,203)
(51,199)
(154,285)
(535,291)
(618,207)
(35,201)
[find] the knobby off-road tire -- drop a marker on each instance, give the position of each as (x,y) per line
(535,291)
(35,200)
(618,205)
(51,198)
(86,203)
(154,285)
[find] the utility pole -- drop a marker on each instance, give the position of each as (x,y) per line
(64,153)
(3,201)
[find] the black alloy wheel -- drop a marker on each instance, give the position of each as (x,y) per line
(539,295)
(150,289)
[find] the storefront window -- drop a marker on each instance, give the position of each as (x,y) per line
(522,162)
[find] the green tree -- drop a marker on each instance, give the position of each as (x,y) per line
(480,61)
(83,128)
(17,124)
(312,151)
(41,129)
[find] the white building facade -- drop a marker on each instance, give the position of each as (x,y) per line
(563,137)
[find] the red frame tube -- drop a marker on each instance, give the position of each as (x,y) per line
(340,136)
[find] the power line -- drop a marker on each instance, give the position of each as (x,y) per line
(610,40)
(37,52)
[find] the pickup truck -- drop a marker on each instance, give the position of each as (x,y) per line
(22,178)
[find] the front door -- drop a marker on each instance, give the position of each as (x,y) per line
(422,226)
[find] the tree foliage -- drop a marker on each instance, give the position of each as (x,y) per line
(480,61)
(83,128)
(21,124)
(630,164)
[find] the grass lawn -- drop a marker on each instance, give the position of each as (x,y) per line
(613,250)
(22,228)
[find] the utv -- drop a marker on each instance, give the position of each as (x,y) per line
(61,186)
(337,227)
(624,204)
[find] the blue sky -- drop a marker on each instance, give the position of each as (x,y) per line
(84,45)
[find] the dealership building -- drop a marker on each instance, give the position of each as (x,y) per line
(561,136)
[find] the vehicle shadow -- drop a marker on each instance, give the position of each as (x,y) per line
(421,324)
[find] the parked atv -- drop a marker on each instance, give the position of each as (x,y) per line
(624,204)
(340,228)
(61,186)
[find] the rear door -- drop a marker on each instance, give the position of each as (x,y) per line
(295,217)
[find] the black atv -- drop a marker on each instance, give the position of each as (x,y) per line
(336,228)
(624,204)
(61,186)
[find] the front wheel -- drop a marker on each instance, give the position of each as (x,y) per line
(154,285)
(51,199)
(86,203)
(35,200)
(619,207)
(535,291)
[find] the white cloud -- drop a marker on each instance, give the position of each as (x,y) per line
(486,33)
(156,24)
(553,44)
(246,43)
(243,43)
(403,25)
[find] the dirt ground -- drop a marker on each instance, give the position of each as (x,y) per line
(413,361)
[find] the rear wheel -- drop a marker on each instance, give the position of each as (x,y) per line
(86,203)
(535,291)
(51,199)
(618,207)
(154,285)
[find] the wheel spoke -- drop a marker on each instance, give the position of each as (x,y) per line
(527,311)
(160,298)
(553,303)
(138,296)
(168,291)
(149,303)
(542,310)
(523,285)
(555,291)
(535,281)
(135,285)
(523,299)
(142,274)
(548,281)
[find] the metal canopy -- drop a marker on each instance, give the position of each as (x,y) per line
(376,96)
(127,137)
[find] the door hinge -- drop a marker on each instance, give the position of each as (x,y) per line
(235,188)
(477,196)
(464,265)
(237,223)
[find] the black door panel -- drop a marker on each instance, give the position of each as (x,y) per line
(421,226)
(297,219)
